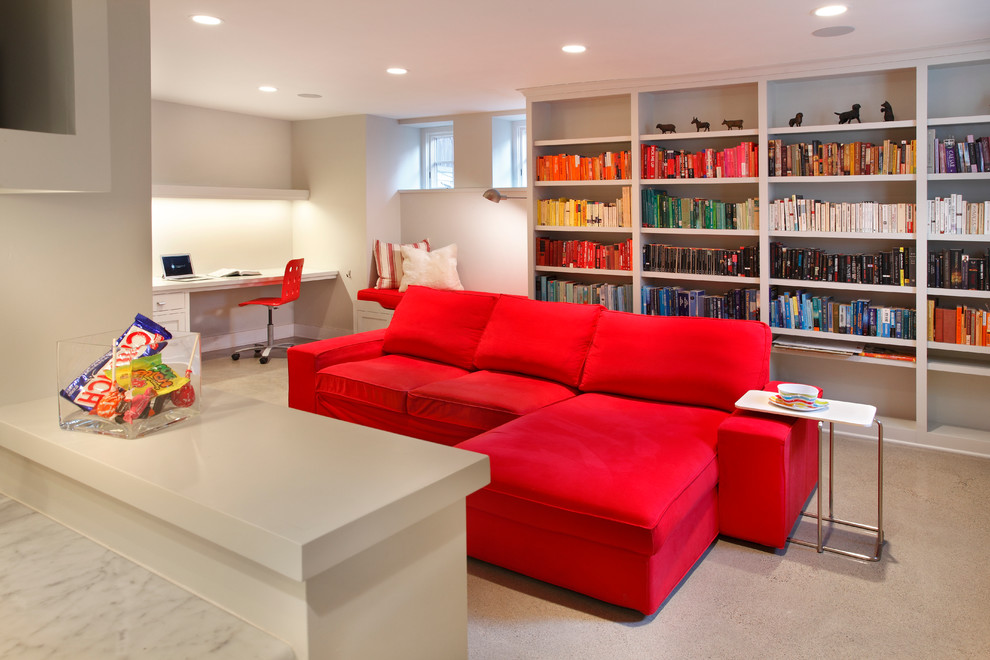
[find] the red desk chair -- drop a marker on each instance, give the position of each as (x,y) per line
(290,292)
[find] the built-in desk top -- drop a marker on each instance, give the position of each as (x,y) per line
(268,276)
(293,491)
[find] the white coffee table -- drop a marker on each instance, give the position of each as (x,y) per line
(837,412)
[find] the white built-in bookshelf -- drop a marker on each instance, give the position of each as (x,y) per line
(866,199)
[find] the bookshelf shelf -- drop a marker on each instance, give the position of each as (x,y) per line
(960,348)
(845,178)
(674,231)
(593,183)
(698,135)
(932,94)
(973,120)
(582,229)
(835,235)
(583,271)
(577,142)
(867,339)
(824,129)
(701,181)
(842,286)
(958,293)
(741,280)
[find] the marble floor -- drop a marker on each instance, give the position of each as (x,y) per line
(65,597)
(928,597)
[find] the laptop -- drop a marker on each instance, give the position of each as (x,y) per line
(178,267)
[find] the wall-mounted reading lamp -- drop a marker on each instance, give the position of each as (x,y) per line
(493,195)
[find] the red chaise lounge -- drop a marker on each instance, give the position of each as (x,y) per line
(617,455)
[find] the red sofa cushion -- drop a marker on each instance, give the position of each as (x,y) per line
(619,471)
(689,360)
(484,399)
(543,339)
(387,298)
(383,382)
(444,326)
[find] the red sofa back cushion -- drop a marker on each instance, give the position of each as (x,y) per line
(689,360)
(536,338)
(444,326)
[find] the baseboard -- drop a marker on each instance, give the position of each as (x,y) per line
(260,335)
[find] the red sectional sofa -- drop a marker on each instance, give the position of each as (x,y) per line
(617,454)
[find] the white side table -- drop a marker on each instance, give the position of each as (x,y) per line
(841,412)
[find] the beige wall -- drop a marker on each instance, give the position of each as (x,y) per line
(76,264)
(203,147)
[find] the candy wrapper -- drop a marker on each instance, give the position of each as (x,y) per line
(143,337)
(141,380)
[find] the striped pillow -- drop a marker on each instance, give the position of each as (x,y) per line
(388,260)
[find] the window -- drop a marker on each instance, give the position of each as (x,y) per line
(519,154)
(438,157)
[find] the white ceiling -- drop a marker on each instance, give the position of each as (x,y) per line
(473,56)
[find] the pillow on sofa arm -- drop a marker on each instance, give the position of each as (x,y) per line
(388,262)
(436,269)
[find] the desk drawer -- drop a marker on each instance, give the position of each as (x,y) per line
(169,302)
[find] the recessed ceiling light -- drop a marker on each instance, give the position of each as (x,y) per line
(831,10)
(206,20)
(574,48)
(396,71)
(833,31)
(267,88)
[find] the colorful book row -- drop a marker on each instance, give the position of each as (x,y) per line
(895,267)
(798,214)
(741,262)
(732,162)
(676,301)
(952,268)
(608,166)
(584,213)
(958,325)
(954,215)
(818,158)
(662,211)
(618,297)
(952,156)
(802,311)
(583,254)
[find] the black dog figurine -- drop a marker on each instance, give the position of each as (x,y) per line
(847,116)
(888,112)
(796,119)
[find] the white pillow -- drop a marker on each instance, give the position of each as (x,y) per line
(436,269)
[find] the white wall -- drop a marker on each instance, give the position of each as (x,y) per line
(203,147)
(78,264)
(490,238)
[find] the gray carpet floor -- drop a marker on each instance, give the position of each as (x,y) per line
(928,597)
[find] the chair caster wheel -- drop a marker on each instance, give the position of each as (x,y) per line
(263,360)
(235,356)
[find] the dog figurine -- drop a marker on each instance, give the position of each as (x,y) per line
(847,116)
(701,125)
(666,128)
(732,123)
(888,112)
(796,120)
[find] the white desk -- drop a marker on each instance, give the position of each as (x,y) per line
(171,298)
(342,540)
(837,412)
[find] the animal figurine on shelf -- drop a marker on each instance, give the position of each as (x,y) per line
(701,125)
(796,120)
(888,112)
(847,116)
(666,128)
(732,123)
